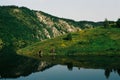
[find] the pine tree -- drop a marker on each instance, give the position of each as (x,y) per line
(118,23)
(106,23)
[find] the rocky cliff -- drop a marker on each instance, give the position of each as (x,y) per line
(20,26)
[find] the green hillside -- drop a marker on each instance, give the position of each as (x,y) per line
(15,26)
(96,41)
(20,26)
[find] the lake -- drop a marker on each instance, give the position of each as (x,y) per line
(60,68)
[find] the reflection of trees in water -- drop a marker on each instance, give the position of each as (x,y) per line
(109,70)
(19,66)
(118,71)
(25,66)
(79,68)
(69,66)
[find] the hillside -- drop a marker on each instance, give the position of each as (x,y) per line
(20,26)
(96,41)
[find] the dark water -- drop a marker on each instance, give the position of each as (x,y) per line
(60,72)
(18,67)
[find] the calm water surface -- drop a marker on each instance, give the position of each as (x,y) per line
(61,68)
(62,73)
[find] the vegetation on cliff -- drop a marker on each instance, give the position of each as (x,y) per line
(96,41)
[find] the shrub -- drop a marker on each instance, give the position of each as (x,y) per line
(68,37)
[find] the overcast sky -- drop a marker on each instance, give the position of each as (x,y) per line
(92,10)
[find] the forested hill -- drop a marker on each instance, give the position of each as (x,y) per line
(20,26)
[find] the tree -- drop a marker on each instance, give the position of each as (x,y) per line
(106,23)
(68,37)
(118,23)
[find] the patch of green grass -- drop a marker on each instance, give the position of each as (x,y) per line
(97,41)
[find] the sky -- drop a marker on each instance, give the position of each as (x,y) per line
(91,10)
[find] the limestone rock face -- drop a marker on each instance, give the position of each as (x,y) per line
(55,27)
(20,26)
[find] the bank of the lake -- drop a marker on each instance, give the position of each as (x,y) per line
(95,41)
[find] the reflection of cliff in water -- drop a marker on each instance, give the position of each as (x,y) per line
(16,66)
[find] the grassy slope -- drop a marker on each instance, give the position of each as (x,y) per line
(20,26)
(97,41)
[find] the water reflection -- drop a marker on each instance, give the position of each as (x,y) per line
(69,66)
(109,70)
(16,66)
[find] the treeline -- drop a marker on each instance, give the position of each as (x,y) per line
(114,24)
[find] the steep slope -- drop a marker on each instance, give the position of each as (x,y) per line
(96,41)
(20,26)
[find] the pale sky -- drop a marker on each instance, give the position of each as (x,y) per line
(92,10)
